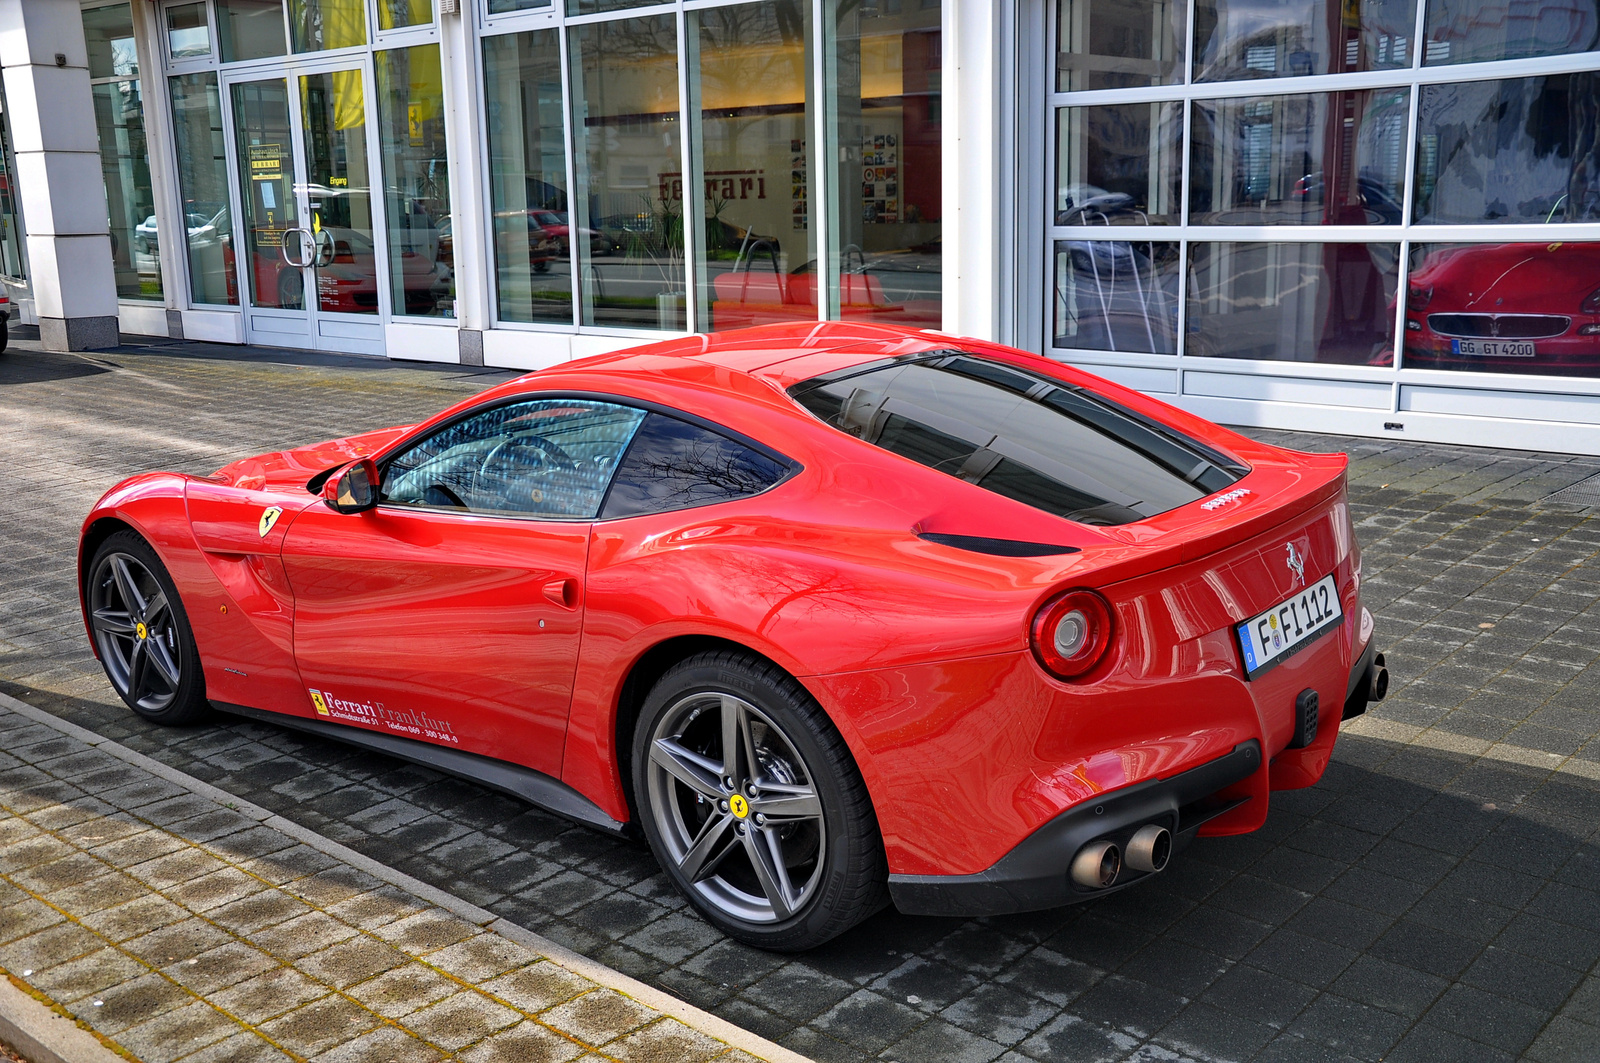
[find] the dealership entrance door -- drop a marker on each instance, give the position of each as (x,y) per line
(309,232)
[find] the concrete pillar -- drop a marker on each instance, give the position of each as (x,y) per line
(59,183)
(973,195)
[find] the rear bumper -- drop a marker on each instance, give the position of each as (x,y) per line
(1033,875)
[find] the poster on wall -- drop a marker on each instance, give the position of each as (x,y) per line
(880,178)
(797,176)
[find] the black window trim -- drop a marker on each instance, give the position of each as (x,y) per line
(792,468)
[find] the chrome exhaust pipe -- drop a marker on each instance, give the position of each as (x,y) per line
(1377,679)
(1150,848)
(1096,865)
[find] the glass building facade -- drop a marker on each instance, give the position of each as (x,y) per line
(1372,216)
(527,170)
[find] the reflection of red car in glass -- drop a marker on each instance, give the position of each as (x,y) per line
(513,228)
(893,288)
(556,227)
(349,283)
(1520,308)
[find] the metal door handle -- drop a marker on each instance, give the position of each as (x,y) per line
(324,248)
(300,236)
(564,592)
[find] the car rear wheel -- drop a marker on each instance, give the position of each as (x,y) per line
(142,633)
(753,805)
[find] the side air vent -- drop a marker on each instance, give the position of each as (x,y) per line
(980,544)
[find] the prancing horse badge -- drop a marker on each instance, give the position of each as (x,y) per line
(1296,563)
(269,517)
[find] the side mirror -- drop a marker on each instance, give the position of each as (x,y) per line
(353,490)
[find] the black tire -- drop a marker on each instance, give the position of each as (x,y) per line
(5,335)
(710,844)
(142,633)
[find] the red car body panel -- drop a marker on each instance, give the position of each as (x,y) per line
(428,625)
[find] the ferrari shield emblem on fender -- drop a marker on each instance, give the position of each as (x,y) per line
(269,517)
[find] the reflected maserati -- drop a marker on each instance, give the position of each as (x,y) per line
(1511,308)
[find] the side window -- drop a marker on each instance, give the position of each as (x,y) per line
(544,458)
(673,464)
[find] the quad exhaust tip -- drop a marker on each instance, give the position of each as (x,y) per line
(1377,679)
(1097,864)
(1150,848)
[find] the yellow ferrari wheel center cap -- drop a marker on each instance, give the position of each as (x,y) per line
(141,631)
(739,806)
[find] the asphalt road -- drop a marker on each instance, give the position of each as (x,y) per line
(1436,897)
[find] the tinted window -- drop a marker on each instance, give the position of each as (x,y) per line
(547,458)
(1047,444)
(673,465)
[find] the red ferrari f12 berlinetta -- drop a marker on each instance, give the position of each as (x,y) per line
(833,616)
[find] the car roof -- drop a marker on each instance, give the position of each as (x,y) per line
(777,354)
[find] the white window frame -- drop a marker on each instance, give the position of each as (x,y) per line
(1181,364)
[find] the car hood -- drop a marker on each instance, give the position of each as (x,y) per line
(289,470)
(1551,278)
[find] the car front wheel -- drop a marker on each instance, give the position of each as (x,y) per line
(753,804)
(142,634)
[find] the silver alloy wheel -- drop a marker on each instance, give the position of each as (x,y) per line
(736,808)
(135,631)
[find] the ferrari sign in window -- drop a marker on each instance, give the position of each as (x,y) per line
(1289,627)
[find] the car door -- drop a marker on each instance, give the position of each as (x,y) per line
(452,612)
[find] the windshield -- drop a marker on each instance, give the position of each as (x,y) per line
(1040,441)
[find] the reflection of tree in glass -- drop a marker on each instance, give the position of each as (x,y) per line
(672,465)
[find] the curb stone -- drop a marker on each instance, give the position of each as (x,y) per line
(40,1035)
(655,999)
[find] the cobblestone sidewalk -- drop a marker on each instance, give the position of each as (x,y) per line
(180,924)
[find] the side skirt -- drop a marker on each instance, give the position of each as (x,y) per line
(535,787)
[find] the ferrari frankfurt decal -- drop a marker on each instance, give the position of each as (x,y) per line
(269,517)
(1223,499)
(373,714)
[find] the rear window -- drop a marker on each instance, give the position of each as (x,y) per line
(1047,444)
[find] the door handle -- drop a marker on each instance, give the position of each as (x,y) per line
(324,248)
(299,236)
(564,592)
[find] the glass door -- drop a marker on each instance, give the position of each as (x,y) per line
(311,262)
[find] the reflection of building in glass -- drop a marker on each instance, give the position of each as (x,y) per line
(1304,222)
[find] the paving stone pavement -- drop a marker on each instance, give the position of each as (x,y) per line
(1435,897)
(180,926)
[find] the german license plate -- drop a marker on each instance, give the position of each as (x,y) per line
(1492,349)
(1289,627)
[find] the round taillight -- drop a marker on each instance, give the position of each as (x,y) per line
(1071,633)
